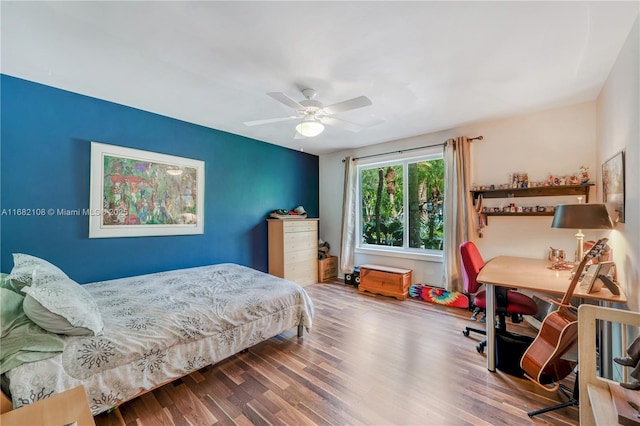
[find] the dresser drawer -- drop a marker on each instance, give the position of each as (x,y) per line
(300,241)
(302,226)
(306,255)
(301,272)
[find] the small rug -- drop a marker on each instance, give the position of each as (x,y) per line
(439,295)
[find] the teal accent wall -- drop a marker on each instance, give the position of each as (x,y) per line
(45,149)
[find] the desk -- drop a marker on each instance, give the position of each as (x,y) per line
(528,274)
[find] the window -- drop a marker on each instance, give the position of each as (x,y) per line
(401,204)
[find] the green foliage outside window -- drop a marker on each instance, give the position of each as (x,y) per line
(383,193)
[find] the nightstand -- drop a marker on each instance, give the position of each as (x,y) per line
(61,409)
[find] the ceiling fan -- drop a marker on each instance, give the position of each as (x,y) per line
(314,114)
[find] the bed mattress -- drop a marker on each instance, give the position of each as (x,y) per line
(162,326)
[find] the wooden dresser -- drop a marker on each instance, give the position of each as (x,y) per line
(384,280)
(293,249)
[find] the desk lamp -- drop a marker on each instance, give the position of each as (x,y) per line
(581,216)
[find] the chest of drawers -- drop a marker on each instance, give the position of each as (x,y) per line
(293,249)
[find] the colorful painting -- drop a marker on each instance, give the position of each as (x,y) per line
(141,193)
(613,186)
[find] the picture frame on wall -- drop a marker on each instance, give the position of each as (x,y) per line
(135,193)
(613,186)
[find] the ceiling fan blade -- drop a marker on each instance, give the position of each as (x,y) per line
(270,120)
(336,122)
(281,97)
(359,102)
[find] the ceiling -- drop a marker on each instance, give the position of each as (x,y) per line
(426,66)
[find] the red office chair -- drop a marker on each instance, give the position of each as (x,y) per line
(507,301)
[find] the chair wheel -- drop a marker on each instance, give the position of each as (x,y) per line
(480,347)
(465,333)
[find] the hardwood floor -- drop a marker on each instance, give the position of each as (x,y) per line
(369,360)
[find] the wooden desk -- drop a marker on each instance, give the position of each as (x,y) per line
(57,410)
(528,274)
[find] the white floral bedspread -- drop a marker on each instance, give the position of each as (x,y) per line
(163,326)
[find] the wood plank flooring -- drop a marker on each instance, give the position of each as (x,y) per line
(369,360)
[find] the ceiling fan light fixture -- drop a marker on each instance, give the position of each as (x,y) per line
(310,127)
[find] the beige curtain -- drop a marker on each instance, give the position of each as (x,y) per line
(459,214)
(349,198)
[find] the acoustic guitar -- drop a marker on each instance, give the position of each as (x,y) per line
(542,362)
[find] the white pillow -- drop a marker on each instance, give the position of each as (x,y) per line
(62,306)
(24,267)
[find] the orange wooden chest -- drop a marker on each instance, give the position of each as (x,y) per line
(385,280)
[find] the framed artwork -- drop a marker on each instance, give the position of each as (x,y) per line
(138,193)
(613,186)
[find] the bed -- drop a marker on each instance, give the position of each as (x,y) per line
(162,326)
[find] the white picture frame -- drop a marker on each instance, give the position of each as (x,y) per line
(135,193)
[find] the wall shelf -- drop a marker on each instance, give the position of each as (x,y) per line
(538,191)
(518,213)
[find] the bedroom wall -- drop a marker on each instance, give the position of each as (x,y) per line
(558,142)
(45,163)
(618,129)
(553,141)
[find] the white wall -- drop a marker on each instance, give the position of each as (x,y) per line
(618,128)
(557,141)
(331,192)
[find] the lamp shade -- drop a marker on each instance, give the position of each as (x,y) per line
(582,216)
(310,127)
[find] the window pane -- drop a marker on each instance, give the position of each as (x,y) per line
(402,204)
(425,194)
(382,205)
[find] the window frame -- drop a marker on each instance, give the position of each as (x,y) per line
(404,251)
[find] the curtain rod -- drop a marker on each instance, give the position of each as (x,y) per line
(411,149)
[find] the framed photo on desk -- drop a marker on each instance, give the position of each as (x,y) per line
(590,281)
